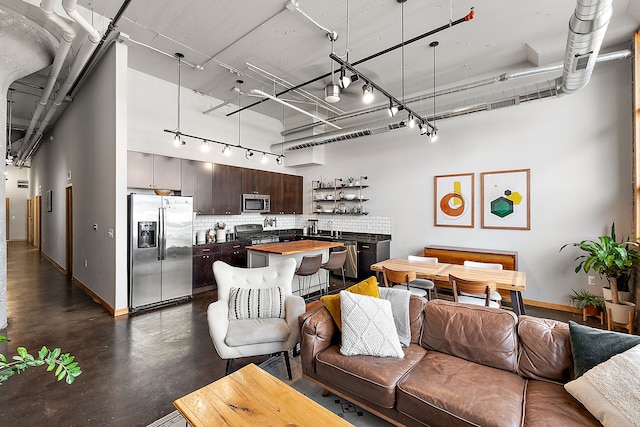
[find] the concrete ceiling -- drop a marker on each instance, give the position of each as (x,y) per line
(230,40)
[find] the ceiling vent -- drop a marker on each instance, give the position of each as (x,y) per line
(504,103)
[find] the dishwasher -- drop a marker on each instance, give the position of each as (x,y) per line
(351,263)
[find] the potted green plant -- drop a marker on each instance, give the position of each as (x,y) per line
(584,299)
(612,259)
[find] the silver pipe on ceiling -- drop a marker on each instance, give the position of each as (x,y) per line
(68,35)
(93,37)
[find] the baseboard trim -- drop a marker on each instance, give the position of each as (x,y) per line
(54,263)
(96,298)
(551,306)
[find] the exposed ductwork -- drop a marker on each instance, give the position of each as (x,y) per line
(78,63)
(587,28)
(68,35)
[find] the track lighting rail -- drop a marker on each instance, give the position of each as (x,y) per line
(450,24)
(228,146)
(394,101)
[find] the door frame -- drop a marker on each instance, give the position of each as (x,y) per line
(69,229)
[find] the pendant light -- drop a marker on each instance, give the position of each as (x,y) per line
(434,133)
(177,139)
(332,90)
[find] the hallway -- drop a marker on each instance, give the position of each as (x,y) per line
(134,367)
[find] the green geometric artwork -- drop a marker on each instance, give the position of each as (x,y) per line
(501,207)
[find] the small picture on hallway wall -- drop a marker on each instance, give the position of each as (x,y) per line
(49,200)
(453,200)
(505,199)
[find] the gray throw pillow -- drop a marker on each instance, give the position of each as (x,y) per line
(591,346)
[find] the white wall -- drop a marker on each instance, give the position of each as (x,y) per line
(153,108)
(87,143)
(17,202)
(578,148)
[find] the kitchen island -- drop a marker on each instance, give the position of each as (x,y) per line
(273,253)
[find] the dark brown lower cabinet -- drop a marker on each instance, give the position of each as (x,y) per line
(203,259)
(234,253)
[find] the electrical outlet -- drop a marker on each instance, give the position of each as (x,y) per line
(110,233)
(85,263)
(592,280)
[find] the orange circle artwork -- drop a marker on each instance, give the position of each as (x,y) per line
(446,205)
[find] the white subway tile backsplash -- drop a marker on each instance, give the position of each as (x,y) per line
(354,224)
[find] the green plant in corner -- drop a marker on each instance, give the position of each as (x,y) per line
(608,257)
(583,298)
(65,366)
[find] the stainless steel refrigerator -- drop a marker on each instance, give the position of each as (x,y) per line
(160,250)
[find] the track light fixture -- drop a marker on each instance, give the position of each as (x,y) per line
(227,147)
(279,160)
(367,93)
(411,121)
(248,154)
(424,130)
(393,109)
(177,139)
(264,159)
(226,150)
(434,136)
(345,80)
(204,146)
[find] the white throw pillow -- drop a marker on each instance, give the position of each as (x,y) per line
(611,390)
(367,327)
(250,303)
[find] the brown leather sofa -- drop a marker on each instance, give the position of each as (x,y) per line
(466,365)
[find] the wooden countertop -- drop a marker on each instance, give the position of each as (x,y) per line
(296,247)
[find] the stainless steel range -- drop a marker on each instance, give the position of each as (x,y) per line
(255,233)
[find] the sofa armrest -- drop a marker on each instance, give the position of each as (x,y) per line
(317,332)
(293,308)
(218,320)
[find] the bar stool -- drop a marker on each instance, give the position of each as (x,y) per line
(334,263)
(402,279)
(425,284)
(309,266)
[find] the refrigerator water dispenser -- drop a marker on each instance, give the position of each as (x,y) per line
(147,234)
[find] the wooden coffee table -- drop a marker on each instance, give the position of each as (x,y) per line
(252,397)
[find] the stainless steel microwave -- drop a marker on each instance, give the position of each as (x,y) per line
(256,203)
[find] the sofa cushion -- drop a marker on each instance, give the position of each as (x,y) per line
(478,334)
(369,378)
(549,404)
(591,346)
(254,303)
(332,302)
(611,390)
(368,327)
(256,331)
(446,390)
(545,349)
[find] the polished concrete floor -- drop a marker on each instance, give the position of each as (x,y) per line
(134,367)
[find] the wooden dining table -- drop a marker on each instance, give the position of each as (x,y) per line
(505,280)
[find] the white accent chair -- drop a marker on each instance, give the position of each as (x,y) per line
(425,284)
(495,295)
(235,338)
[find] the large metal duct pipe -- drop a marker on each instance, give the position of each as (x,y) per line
(587,28)
(26,48)
(68,35)
(78,64)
